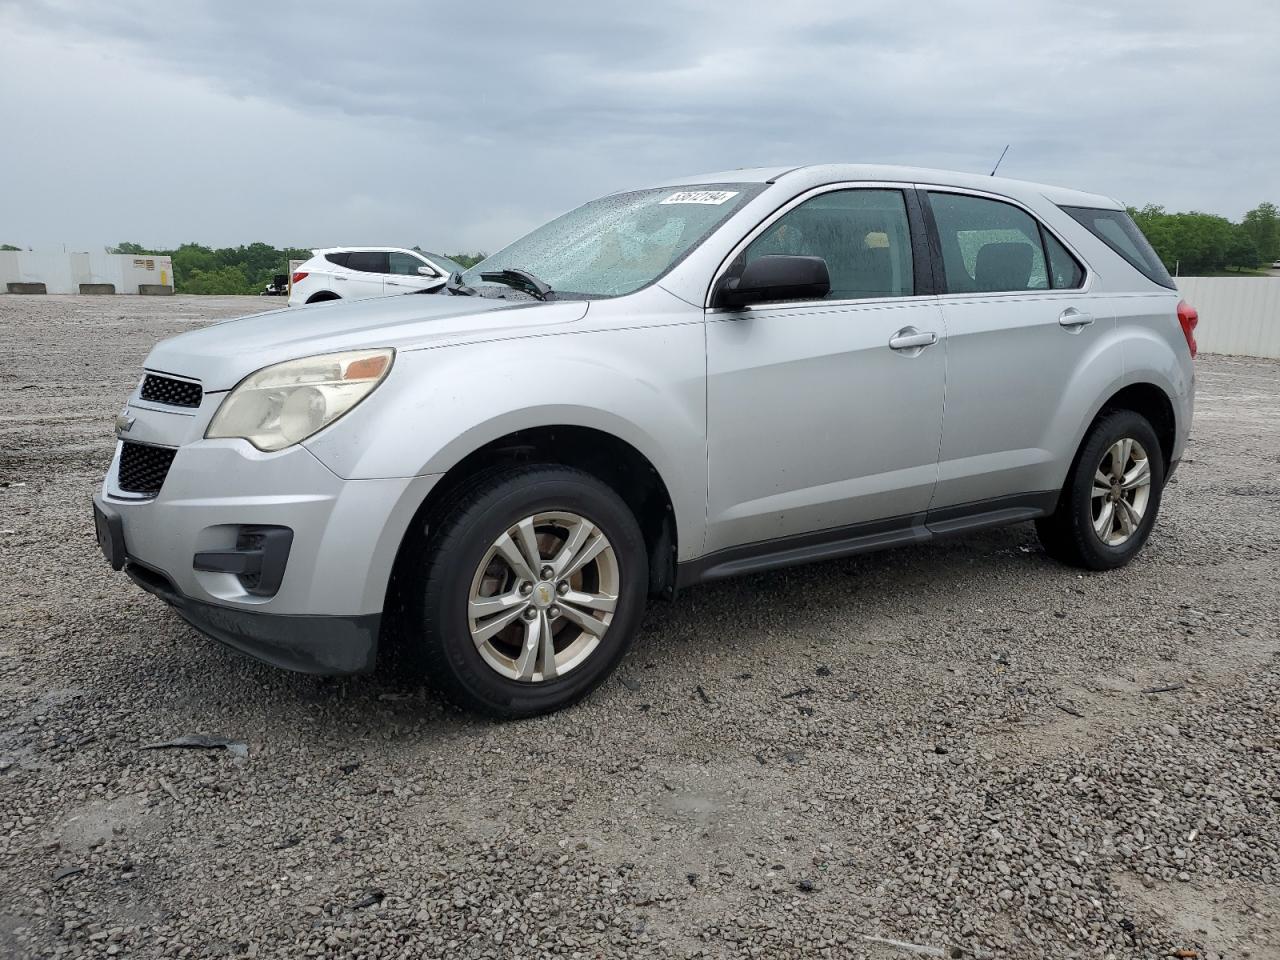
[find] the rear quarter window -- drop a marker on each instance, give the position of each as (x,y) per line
(1117,230)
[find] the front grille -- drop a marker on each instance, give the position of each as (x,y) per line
(175,393)
(144,467)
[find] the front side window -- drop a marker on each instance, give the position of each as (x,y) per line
(404,264)
(618,244)
(443,263)
(988,246)
(863,235)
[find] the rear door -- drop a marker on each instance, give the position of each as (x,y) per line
(1022,323)
(323,269)
(363,275)
(403,273)
(816,422)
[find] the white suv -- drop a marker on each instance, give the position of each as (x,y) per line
(358,273)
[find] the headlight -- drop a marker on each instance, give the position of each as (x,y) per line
(287,402)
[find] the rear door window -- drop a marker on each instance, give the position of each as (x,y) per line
(368,261)
(1117,230)
(338,259)
(988,246)
(862,234)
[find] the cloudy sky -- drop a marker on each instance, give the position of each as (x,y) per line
(461,126)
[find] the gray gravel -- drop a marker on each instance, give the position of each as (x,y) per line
(949,746)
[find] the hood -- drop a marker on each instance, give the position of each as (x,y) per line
(223,354)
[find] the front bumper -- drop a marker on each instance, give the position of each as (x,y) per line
(322,613)
(325,645)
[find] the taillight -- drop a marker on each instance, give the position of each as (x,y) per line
(1188,318)
(300,276)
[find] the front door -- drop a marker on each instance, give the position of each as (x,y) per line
(826,414)
(403,275)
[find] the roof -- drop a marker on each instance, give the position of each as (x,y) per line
(320,250)
(816,174)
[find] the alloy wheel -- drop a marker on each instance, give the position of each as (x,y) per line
(1121,491)
(543,596)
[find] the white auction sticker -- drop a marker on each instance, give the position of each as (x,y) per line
(701,196)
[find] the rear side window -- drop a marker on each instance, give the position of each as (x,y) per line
(340,259)
(367,261)
(1117,230)
(988,246)
(863,235)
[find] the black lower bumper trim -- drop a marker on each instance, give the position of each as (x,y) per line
(259,559)
(306,644)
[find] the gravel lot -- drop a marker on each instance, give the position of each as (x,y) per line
(955,746)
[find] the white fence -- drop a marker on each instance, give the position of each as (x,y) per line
(1238,315)
(64,272)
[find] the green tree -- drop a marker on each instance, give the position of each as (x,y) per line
(188,260)
(224,280)
(134,249)
(1262,224)
(1242,253)
(1187,242)
(8,246)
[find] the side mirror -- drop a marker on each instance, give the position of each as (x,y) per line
(427,271)
(775,277)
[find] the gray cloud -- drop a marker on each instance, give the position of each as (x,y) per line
(316,123)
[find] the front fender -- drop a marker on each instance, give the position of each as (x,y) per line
(644,385)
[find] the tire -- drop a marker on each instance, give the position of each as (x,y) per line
(1071,534)
(459,565)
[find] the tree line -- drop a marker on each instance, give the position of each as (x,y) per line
(235,270)
(1199,243)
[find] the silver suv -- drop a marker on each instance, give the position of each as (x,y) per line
(720,375)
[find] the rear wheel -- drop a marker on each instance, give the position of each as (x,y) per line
(1112,495)
(528,592)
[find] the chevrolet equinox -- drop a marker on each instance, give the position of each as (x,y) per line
(718,375)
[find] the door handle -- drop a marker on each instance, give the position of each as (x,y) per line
(909,338)
(337,277)
(1073,319)
(393,283)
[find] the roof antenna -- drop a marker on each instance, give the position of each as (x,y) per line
(1001,160)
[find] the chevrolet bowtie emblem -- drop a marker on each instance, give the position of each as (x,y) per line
(124,423)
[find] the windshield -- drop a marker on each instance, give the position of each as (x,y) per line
(620,243)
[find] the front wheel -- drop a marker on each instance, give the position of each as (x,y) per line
(1112,495)
(528,591)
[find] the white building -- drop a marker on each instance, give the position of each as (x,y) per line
(26,272)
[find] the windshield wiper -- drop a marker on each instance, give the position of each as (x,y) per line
(521,280)
(455,287)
